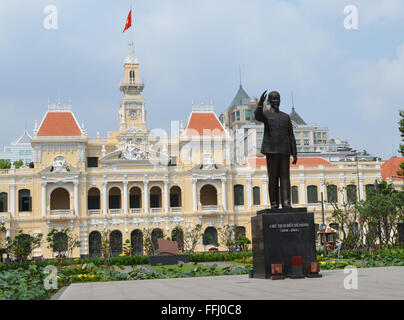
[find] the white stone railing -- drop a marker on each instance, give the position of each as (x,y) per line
(210,207)
(239,208)
(115,211)
(94,211)
(3,171)
(156,210)
(136,210)
(60,212)
(176,209)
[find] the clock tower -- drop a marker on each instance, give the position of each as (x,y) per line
(132,115)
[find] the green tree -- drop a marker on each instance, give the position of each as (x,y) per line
(148,243)
(62,242)
(380,214)
(243,242)
(5,164)
(345,215)
(192,237)
(227,237)
(18,164)
(22,246)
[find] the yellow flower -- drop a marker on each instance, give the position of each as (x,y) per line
(122,255)
(322,262)
(59,277)
(332,261)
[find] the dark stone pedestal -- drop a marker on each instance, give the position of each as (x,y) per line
(280,234)
(400,227)
(168,260)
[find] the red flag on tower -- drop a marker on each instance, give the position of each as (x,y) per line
(128,21)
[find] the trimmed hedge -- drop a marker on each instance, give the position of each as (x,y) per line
(130,260)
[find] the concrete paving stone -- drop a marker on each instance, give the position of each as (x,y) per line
(373,283)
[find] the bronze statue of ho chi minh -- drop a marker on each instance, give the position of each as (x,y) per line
(278,145)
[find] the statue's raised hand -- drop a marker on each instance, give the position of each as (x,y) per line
(294,160)
(262,99)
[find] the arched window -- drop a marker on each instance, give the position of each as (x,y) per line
(60,242)
(115,243)
(178,235)
(93,199)
(370,190)
(94,241)
(24,201)
(332,193)
(114,198)
(60,199)
(351,193)
(136,240)
(208,195)
(135,198)
(312,195)
(155,235)
(295,194)
(175,197)
(256,196)
(132,76)
(210,236)
(239,231)
(3,202)
(155,197)
(238,195)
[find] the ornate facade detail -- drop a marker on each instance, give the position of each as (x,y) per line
(132,152)
(59,164)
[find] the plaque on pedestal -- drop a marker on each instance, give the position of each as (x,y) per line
(283,237)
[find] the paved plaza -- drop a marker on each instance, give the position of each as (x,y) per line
(373,283)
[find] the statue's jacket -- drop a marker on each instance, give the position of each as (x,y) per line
(278,132)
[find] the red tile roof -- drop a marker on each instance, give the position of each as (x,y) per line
(390,168)
(59,124)
(204,124)
(300,161)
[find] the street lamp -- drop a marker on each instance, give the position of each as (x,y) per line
(323,225)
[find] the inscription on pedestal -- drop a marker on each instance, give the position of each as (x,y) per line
(279,236)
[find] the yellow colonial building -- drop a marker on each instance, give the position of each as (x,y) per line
(137,180)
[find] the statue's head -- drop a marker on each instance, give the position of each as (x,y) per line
(274,99)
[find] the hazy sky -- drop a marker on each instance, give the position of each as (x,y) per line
(350,81)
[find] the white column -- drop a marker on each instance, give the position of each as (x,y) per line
(249,191)
(166,196)
(125,197)
(265,191)
(342,195)
(76,198)
(104,199)
(43,199)
(146,197)
(361,186)
(224,195)
(302,189)
(194,196)
(12,200)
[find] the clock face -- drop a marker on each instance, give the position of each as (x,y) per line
(133,114)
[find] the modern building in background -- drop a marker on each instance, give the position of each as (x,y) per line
(20,149)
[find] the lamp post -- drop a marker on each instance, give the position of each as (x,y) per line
(323,226)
